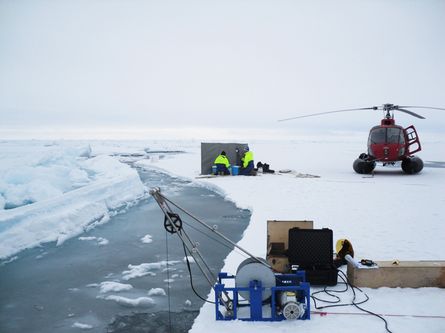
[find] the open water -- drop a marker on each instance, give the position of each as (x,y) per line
(56,288)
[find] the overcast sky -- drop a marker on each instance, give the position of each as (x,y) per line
(83,64)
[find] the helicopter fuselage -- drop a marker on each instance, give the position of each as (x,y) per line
(389,142)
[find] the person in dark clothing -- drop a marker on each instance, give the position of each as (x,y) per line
(247,163)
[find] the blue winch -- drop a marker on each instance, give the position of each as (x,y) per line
(267,296)
(255,293)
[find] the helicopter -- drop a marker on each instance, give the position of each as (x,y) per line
(388,143)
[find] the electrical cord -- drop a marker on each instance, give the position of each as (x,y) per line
(337,300)
(191,278)
(364,310)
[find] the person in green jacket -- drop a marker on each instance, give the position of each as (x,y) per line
(247,161)
(222,164)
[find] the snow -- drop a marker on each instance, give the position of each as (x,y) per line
(387,217)
(56,191)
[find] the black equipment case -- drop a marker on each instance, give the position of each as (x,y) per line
(312,251)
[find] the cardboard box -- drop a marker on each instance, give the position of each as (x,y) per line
(405,274)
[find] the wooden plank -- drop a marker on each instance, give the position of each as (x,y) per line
(404,274)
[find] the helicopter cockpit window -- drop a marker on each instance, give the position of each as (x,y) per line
(386,135)
(395,135)
(378,135)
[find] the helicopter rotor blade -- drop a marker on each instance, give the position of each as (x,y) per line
(335,111)
(422,107)
(410,113)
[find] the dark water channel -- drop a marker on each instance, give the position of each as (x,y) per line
(57,288)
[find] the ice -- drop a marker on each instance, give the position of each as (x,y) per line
(9,260)
(110,286)
(98,240)
(190,259)
(82,326)
(136,271)
(29,176)
(386,217)
(66,281)
(156,292)
(130,302)
(146,239)
(56,191)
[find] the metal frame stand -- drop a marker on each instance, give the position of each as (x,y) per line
(294,283)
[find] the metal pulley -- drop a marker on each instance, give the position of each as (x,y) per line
(172,223)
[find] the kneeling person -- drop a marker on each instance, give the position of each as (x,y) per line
(222,164)
(247,163)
